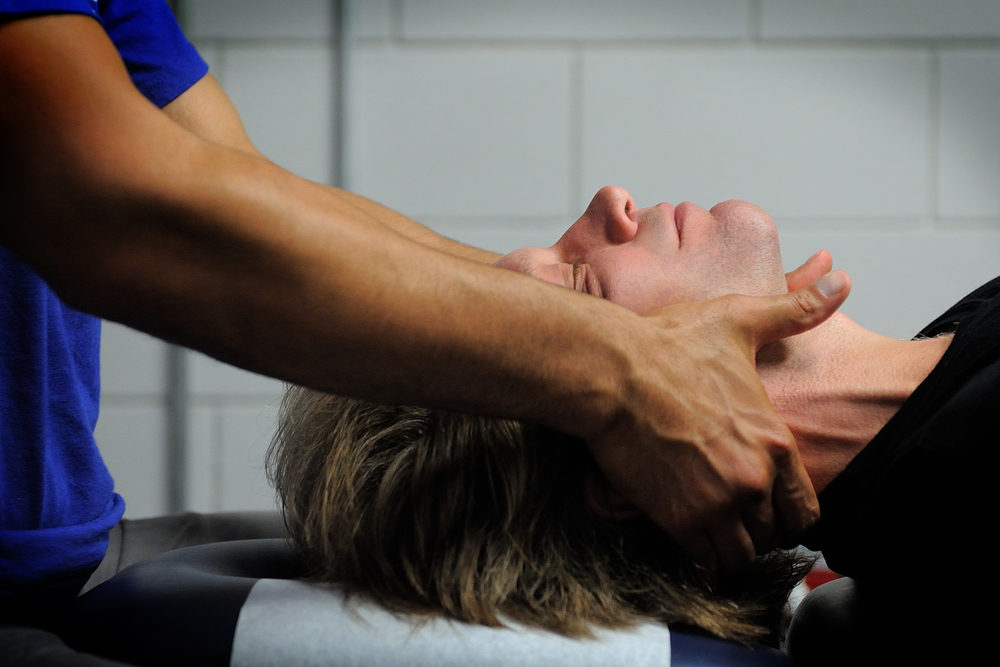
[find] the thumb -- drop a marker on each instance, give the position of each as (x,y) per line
(767,319)
(814,268)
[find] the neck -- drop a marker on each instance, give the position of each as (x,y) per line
(838,385)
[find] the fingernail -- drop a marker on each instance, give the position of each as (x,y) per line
(832,283)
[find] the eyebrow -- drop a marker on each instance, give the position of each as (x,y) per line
(523,266)
(527,267)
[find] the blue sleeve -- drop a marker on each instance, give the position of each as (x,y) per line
(12,8)
(160,60)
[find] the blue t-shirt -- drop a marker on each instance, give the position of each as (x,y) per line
(57,499)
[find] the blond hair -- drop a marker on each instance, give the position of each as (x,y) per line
(474,518)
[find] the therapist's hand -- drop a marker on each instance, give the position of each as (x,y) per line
(817,266)
(711,462)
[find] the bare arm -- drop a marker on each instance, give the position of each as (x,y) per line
(205,110)
(131,216)
(170,223)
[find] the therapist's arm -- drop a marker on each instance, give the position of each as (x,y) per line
(206,111)
(133,217)
(192,237)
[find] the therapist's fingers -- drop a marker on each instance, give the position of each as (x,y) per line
(733,545)
(812,270)
(764,319)
(757,321)
(794,495)
(760,524)
(700,548)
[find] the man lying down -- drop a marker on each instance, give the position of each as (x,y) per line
(497,522)
(483,519)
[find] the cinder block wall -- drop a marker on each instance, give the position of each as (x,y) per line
(867,128)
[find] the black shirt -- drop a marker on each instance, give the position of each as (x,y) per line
(913,518)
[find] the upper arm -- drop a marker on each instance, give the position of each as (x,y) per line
(66,101)
(62,80)
(78,141)
(57,68)
(205,110)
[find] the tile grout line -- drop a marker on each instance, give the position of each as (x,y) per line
(673,43)
(265,42)
(934,143)
(338,54)
(396,21)
(218,462)
(755,12)
(177,415)
(576,133)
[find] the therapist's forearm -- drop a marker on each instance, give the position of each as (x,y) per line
(416,232)
(206,111)
(132,217)
(233,256)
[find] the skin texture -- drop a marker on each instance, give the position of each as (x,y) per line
(836,386)
(645,259)
(170,222)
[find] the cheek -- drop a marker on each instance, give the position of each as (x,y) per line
(644,282)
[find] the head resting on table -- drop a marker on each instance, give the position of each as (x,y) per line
(477,518)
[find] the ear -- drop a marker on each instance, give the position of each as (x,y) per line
(605,501)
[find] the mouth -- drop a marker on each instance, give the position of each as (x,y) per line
(677,214)
(681,214)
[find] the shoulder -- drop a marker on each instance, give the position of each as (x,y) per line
(984,299)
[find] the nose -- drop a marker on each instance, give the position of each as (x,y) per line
(613,206)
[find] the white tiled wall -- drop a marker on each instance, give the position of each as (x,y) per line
(868,128)
(933,19)
(284,94)
(131,430)
(257,19)
(969,134)
(821,133)
(571,19)
(461,133)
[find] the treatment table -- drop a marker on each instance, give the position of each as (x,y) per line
(239,603)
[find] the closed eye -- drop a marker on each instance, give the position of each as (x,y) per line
(585,280)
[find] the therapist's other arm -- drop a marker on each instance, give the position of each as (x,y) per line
(206,111)
(133,217)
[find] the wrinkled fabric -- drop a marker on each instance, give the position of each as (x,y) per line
(57,499)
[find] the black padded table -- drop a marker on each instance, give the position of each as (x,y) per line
(239,603)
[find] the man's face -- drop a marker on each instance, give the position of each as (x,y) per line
(648,258)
